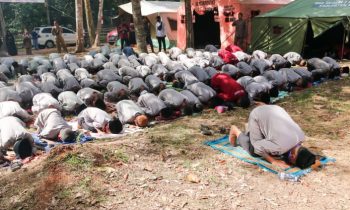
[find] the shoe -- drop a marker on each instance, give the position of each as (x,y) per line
(15,165)
(207,132)
(204,127)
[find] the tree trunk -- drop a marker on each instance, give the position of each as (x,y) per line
(189,24)
(138,23)
(79,25)
(99,23)
(3,32)
(47,12)
(89,22)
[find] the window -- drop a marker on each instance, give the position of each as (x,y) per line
(67,31)
(46,31)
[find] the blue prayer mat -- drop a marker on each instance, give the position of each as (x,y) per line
(223,145)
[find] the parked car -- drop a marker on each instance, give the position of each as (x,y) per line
(46,39)
(112,36)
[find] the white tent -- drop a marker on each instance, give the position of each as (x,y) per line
(153,7)
(167,10)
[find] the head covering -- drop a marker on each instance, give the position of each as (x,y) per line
(305,158)
(141,121)
(67,135)
(23,148)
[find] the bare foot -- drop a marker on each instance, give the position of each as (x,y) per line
(234,133)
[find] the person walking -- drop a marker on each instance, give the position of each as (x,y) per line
(57,32)
(27,42)
(160,32)
(35,37)
(241,31)
(147,29)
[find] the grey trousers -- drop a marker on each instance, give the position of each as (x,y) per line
(243,140)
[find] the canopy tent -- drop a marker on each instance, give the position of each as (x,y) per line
(167,10)
(213,19)
(286,29)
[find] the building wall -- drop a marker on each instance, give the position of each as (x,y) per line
(224,7)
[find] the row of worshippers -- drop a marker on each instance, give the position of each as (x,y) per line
(135,86)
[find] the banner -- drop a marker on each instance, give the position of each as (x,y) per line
(332,4)
(22,1)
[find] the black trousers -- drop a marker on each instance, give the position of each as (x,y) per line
(149,41)
(124,42)
(160,41)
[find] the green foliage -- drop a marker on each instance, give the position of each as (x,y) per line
(20,16)
(77,161)
(120,155)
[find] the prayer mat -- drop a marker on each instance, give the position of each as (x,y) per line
(281,95)
(128,129)
(223,145)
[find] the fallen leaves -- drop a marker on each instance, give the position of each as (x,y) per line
(193,178)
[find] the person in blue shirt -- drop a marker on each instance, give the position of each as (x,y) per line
(35,37)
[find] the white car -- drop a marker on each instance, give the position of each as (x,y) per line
(46,39)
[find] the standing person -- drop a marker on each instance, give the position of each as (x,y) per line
(132,35)
(57,32)
(124,35)
(35,37)
(147,29)
(241,31)
(160,31)
(27,42)
(10,43)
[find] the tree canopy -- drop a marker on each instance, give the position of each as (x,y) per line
(27,15)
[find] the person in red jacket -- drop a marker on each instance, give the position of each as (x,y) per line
(227,57)
(233,48)
(228,90)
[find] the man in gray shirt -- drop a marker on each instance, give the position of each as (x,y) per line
(105,76)
(204,92)
(136,85)
(199,73)
(185,78)
(13,134)
(51,125)
(9,94)
(273,133)
(12,108)
(116,91)
(27,90)
(257,91)
(70,102)
(96,120)
(150,103)
(155,84)
(172,98)
(129,112)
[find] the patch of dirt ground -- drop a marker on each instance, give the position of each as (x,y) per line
(168,167)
